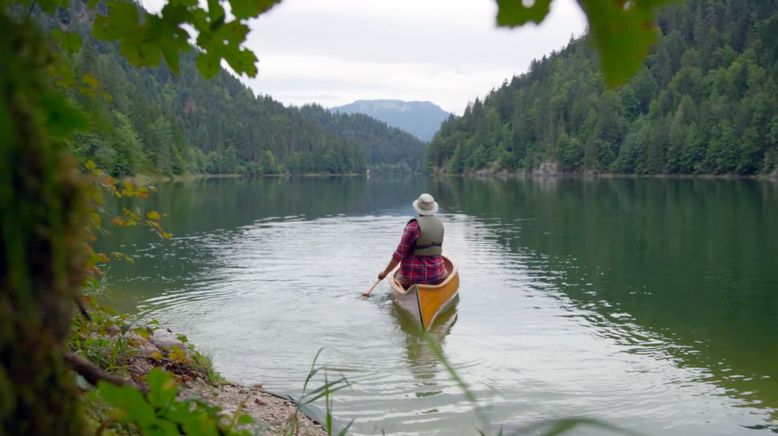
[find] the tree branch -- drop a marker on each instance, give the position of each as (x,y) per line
(93,374)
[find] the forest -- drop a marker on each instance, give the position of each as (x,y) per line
(702,103)
(152,121)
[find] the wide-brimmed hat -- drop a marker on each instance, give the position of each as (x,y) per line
(425,205)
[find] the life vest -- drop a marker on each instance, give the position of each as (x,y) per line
(430,242)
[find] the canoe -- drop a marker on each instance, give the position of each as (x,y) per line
(426,302)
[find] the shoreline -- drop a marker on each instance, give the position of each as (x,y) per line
(146,179)
(506,175)
(144,348)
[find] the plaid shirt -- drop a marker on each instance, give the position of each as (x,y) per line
(417,269)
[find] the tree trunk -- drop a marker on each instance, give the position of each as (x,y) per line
(42,225)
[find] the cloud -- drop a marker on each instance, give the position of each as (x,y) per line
(446,51)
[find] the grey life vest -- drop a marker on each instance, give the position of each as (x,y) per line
(430,242)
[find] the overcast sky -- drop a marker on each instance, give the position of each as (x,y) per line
(333,52)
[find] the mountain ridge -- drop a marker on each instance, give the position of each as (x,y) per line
(421,118)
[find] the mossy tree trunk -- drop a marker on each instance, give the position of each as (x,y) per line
(42,234)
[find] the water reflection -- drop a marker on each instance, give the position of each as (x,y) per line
(422,361)
(686,269)
(647,303)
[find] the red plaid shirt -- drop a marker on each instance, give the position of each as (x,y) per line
(417,269)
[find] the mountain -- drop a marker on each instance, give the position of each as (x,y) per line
(151,121)
(388,149)
(702,103)
(420,118)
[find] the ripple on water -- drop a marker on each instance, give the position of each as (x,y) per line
(267,296)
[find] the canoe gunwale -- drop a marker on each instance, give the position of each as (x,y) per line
(411,299)
(397,287)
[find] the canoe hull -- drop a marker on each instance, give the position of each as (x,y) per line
(426,302)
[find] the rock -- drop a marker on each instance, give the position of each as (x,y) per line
(546,169)
(165,340)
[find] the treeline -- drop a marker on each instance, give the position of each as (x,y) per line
(703,103)
(153,121)
(387,148)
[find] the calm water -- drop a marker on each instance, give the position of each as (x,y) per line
(649,304)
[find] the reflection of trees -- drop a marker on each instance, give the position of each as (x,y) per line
(692,261)
(223,208)
(423,363)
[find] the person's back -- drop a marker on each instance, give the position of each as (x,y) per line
(420,250)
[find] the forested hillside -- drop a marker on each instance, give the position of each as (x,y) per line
(704,102)
(388,148)
(152,121)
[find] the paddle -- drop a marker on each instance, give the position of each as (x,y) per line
(367,293)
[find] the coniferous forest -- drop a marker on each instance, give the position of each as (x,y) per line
(151,121)
(704,102)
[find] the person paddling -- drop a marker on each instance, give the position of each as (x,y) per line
(419,251)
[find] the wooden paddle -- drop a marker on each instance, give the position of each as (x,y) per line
(367,293)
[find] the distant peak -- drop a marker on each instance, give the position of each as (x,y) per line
(421,118)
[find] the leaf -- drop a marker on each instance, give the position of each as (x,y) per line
(142,54)
(512,13)
(154,215)
(62,118)
(623,32)
(129,404)
(207,64)
(244,9)
(245,419)
(199,424)
(68,41)
(243,62)
(162,388)
(122,22)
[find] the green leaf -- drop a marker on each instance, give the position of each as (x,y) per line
(512,13)
(122,22)
(129,404)
(623,32)
(162,388)
(244,9)
(215,12)
(245,419)
(243,62)
(62,118)
(68,41)
(207,64)
(142,54)
(200,424)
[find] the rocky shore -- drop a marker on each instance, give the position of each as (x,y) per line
(109,348)
(273,415)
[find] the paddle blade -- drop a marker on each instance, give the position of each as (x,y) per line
(367,293)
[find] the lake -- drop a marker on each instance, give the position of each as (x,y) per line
(648,304)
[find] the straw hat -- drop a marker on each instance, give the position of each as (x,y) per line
(425,205)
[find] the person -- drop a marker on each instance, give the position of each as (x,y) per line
(420,249)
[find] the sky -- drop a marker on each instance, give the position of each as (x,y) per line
(449,52)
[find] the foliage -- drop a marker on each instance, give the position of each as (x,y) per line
(158,412)
(44,209)
(701,103)
(42,215)
(325,392)
(155,122)
(622,30)
(102,184)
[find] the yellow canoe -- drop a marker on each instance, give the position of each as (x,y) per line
(426,302)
